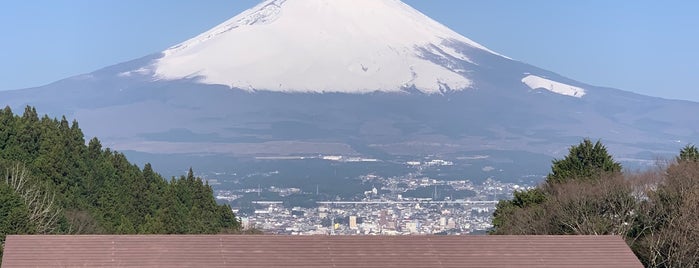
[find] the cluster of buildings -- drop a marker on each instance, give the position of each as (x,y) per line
(385,211)
(373,218)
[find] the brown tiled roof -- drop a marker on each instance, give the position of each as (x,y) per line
(316,251)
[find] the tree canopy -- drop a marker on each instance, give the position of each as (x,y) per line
(584,161)
(87,189)
(656,211)
(688,153)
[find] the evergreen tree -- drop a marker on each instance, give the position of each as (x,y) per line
(688,153)
(584,161)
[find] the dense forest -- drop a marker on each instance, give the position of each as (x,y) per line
(52,182)
(588,193)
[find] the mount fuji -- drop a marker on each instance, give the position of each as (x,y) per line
(370,78)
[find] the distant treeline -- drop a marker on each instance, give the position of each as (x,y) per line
(51,182)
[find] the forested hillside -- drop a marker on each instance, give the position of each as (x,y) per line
(51,182)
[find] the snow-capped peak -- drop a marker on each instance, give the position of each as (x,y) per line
(350,46)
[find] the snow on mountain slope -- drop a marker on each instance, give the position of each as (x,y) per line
(537,82)
(348,46)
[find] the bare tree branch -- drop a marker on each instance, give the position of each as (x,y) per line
(42,209)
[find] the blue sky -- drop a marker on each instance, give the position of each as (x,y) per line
(649,47)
